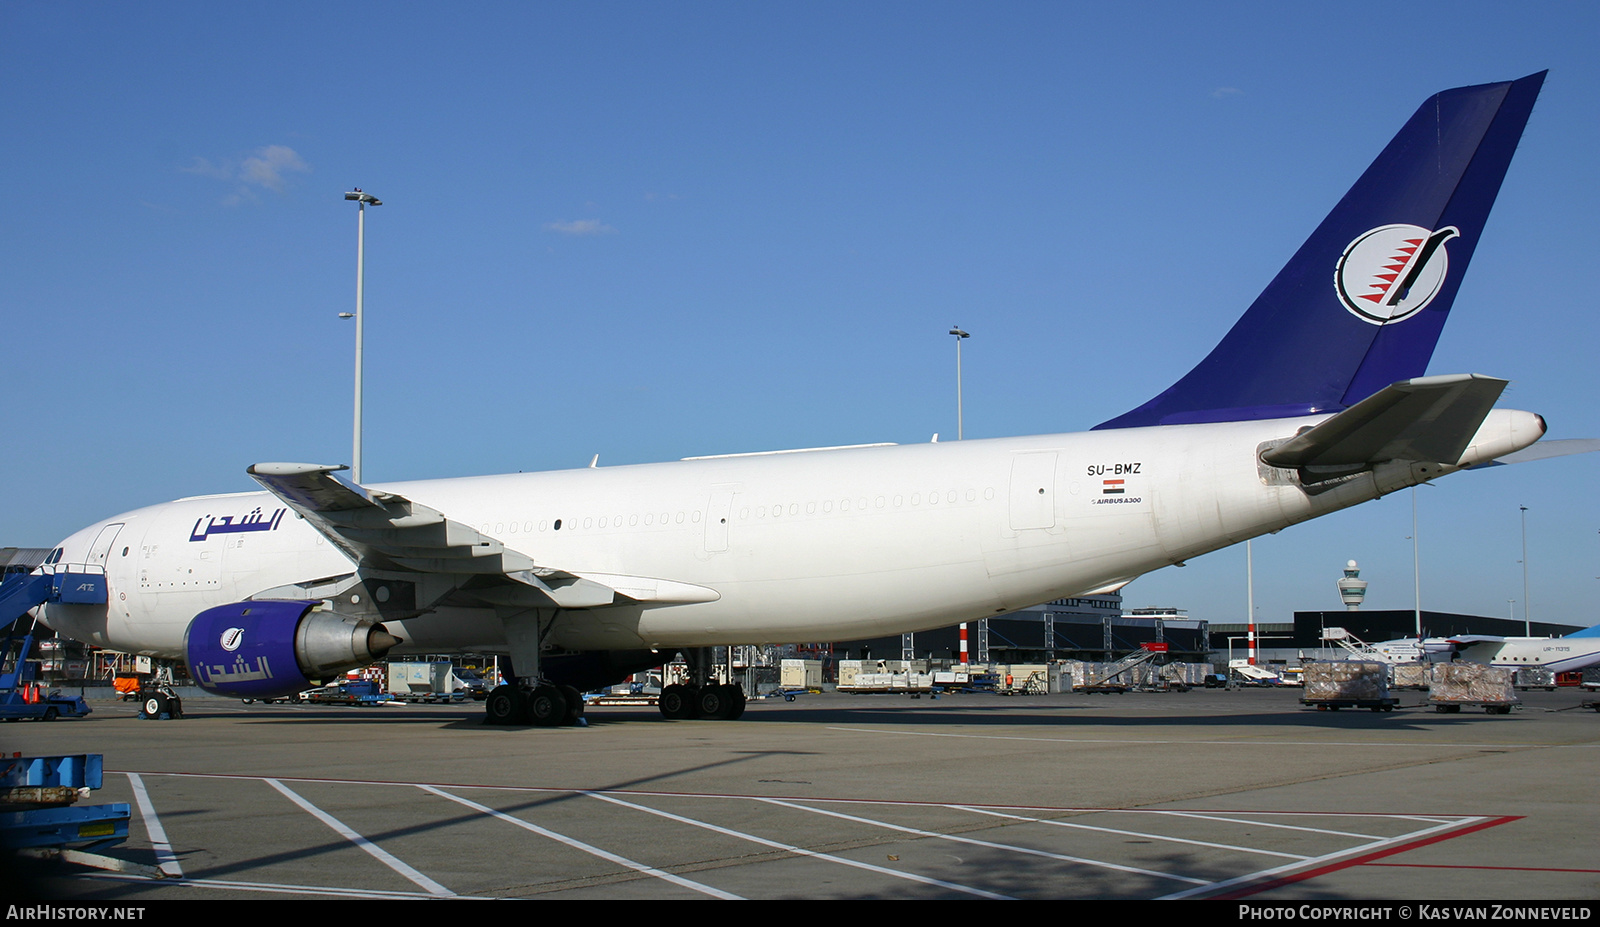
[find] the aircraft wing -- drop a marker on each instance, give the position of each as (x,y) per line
(385,531)
(1424,419)
(1467,640)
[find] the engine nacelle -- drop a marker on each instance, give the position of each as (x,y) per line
(271,648)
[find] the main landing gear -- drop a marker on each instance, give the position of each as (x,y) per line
(541,706)
(702,697)
(713,703)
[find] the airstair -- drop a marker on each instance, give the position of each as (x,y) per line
(80,584)
(20,695)
(1107,680)
(1401,651)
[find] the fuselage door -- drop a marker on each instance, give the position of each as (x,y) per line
(718,512)
(100,550)
(1033,490)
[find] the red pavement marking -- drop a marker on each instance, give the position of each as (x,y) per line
(1247,891)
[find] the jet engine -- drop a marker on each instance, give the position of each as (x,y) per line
(271,648)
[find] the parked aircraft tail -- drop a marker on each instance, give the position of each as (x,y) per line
(1361,304)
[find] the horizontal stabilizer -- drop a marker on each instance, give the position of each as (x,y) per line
(1560,447)
(1425,419)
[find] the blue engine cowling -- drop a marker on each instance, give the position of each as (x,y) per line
(271,648)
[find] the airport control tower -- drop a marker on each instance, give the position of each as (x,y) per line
(1352,588)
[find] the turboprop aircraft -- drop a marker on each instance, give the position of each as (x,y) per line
(1574,651)
(1315,401)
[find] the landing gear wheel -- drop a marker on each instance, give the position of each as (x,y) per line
(721,703)
(738,703)
(547,707)
(155,705)
(505,705)
(679,703)
(574,704)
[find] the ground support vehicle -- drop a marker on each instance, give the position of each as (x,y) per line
(358,694)
(432,682)
(15,705)
(1163,685)
(1035,683)
(40,815)
(294,699)
(21,697)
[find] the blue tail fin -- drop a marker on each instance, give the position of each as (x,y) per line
(1361,304)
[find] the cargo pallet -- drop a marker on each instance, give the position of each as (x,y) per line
(637,700)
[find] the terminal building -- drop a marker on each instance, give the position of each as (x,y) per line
(1302,639)
(1292,642)
(1084,628)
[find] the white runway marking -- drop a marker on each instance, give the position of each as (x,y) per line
(1204,743)
(1219,887)
(800,851)
(587,848)
(1102,864)
(152,825)
(1146,835)
(1252,822)
(1321,846)
(377,852)
(283,888)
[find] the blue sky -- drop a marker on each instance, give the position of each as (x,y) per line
(655,230)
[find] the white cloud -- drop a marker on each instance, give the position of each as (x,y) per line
(581,227)
(265,168)
(1221,92)
(267,165)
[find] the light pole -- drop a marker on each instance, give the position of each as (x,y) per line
(959,336)
(363,199)
(1416,562)
(1527,603)
(1249,601)
(983,637)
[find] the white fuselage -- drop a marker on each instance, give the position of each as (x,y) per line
(805,546)
(1557,654)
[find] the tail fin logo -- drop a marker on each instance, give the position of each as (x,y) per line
(1392,272)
